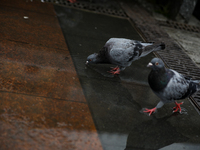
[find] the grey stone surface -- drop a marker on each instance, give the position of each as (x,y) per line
(188,40)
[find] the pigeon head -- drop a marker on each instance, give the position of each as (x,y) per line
(92,59)
(156,64)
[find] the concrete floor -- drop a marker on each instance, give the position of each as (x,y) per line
(51,100)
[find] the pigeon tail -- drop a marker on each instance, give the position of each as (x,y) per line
(151,48)
(198,87)
(197,83)
(146,44)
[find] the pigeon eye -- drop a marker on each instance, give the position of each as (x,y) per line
(90,59)
(156,63)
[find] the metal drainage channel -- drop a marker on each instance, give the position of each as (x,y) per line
(89,6)
(178,56)
(181,26)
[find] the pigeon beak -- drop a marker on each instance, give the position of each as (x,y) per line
(86,62)
(149,65)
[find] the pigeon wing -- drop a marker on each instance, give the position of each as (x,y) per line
(126,53)
(121,56)
(177,88)
(123,51)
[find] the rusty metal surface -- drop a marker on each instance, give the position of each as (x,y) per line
(42,103)
(174,57)
(37,70)
(38,29)
(32,122)
(30,5)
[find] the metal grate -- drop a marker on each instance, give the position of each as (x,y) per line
(196,100)
(181,26)
(89,6)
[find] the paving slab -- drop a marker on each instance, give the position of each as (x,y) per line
(188,40)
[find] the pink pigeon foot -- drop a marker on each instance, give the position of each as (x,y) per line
(150,111)
(178,107)
(115,70)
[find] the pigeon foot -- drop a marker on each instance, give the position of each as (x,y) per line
(150,111)
(115,70)
(178,107)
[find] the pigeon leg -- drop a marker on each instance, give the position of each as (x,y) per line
(115,70)
(150,111)
(178,107)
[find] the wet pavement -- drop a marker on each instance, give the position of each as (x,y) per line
(51,100)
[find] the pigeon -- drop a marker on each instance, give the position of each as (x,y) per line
(122,52)
(169,85)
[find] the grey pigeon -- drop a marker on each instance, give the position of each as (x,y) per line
(122,52)
(169,85)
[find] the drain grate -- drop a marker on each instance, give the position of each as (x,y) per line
(181,26)
(100,8)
